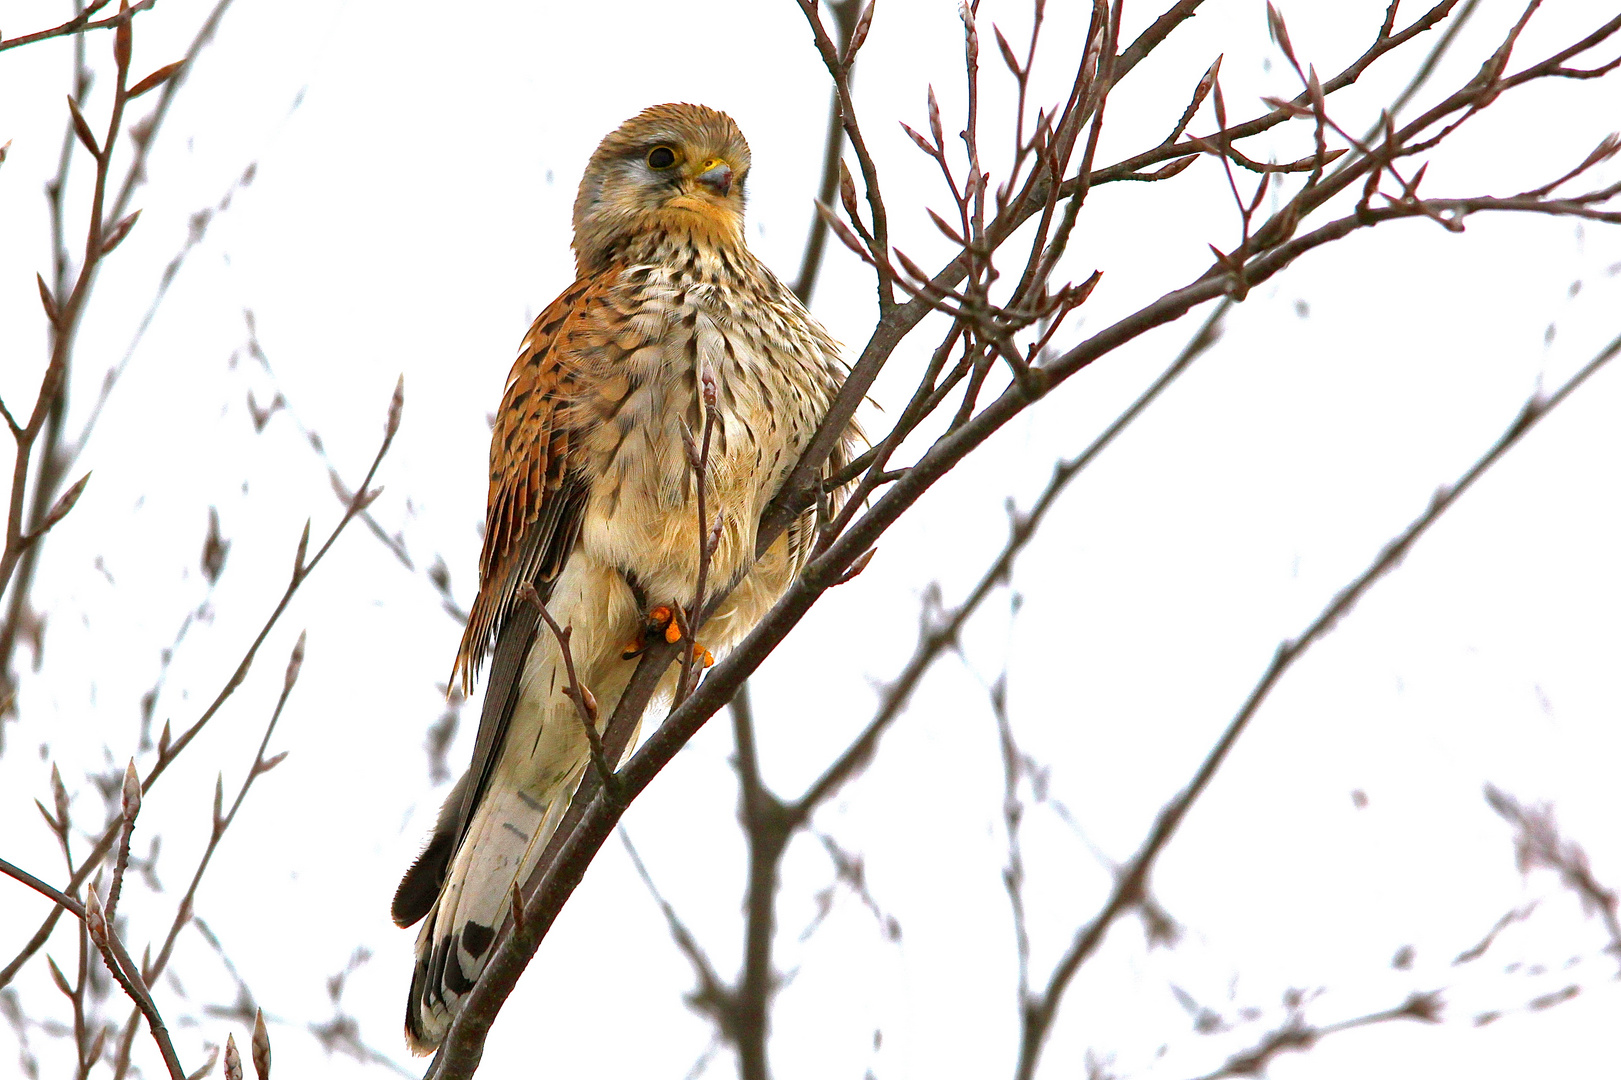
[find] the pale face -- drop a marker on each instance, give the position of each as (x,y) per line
(676,166)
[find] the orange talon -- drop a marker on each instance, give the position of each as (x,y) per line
(633,648)
(663,617)
(660,619)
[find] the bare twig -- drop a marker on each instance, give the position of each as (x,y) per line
(585,703)
(939,632)
(1539,846)
(221,822)
(437,576)
(130,806)
(1382,46)
(708,536)
(844,20)
(81,23)
(1012,818)
(710,997)
(1272,247)
(107,225)
(169,749)
(1510,917)
(64,313)
(1297,1035)
(118,961)
(833,59)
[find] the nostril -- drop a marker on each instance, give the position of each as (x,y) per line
(718,179)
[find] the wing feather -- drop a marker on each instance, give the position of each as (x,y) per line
(536,506)
(534,501)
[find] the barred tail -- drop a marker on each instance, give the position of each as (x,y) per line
(509,832)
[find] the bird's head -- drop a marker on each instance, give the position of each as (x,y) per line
(679,166)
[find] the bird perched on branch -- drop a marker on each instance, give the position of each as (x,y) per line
(593,503)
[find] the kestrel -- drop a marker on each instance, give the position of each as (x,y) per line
(592,502)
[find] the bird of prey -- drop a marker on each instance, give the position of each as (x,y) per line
(592,502)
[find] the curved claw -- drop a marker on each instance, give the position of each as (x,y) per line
(661,620)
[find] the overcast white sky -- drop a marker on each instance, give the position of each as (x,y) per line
(415,168)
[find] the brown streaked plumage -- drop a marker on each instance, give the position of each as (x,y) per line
(591,501)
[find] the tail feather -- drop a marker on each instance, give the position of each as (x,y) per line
(426,879)
(509,832)
(461,885)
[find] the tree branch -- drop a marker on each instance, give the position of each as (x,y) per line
(844,20)
(167,750)
(1273,247)
(80,23)
(117,959)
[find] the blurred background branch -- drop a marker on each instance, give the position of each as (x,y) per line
(1005,262)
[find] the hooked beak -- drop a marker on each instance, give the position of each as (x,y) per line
(716,175)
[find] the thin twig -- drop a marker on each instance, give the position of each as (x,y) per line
(118,961)
(589,821)
(1297,1035)
(1538,845)
(54,459)
(221,822)
(1012,818)
(80,23)
(585,703)
(939,633)
(130,801)
(438,578)
(844,18)
(708,534)
(63,314)
(840,73)
(711,994)
(169,749)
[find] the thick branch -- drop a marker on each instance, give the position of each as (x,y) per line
(940,634)
(1275,246)
(767,829)
(590,819)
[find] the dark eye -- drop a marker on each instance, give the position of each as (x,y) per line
(661,157)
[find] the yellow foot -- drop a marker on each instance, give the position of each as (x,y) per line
(661,620)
